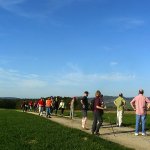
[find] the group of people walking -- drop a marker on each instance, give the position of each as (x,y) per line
(50,105)
(139,103)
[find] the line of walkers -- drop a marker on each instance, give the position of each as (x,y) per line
(49,106)
(139,103)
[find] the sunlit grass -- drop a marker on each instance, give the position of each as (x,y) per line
(23,131)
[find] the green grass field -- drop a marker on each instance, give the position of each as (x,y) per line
(128,118)
(23,131)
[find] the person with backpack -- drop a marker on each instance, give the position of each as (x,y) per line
(97,112)
(140,104)
(120,103)
(84,103)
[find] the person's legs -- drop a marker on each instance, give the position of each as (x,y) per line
(72,113)
(39,110)
(85,121)
(82,122)
(143,119)
(46,111)
(51,109)
(63,111)
(94,123)
(138,117)
(23,109)
(49,112)
(120,117)
(117,118)
(84,118)
(99,122)
(56,109)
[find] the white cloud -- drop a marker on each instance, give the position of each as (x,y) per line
(32,83)
(67,83)
(113,63)
(76,77)
(12,78)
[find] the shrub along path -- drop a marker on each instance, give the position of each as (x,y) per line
(123,135)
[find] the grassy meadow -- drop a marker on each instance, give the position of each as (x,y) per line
(23,131)
(128,117)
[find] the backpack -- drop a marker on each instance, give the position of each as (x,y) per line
(92,104)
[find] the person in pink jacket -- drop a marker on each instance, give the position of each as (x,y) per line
(139,104)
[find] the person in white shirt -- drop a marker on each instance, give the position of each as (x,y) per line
(62,107)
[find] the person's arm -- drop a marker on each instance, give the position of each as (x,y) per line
(124,102)
(82,102)
(132,103)
(60,105)
(115,103)
(148,105)
(98,107)
(148,102)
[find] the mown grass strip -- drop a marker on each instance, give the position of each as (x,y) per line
(29,132)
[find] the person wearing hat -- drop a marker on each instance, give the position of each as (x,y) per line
(84,103)
(120,103)
(139,104)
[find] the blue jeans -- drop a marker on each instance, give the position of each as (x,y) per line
(142,119)
(48,111)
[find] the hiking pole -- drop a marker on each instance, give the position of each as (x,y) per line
(111,125)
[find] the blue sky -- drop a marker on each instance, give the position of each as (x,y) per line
(64,47)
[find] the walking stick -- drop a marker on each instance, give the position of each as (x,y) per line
(111,125)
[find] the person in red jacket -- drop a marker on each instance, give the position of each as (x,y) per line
(41,105)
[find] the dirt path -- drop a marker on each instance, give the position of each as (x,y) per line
(124,135)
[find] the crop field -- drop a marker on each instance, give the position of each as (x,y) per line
(23,131)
